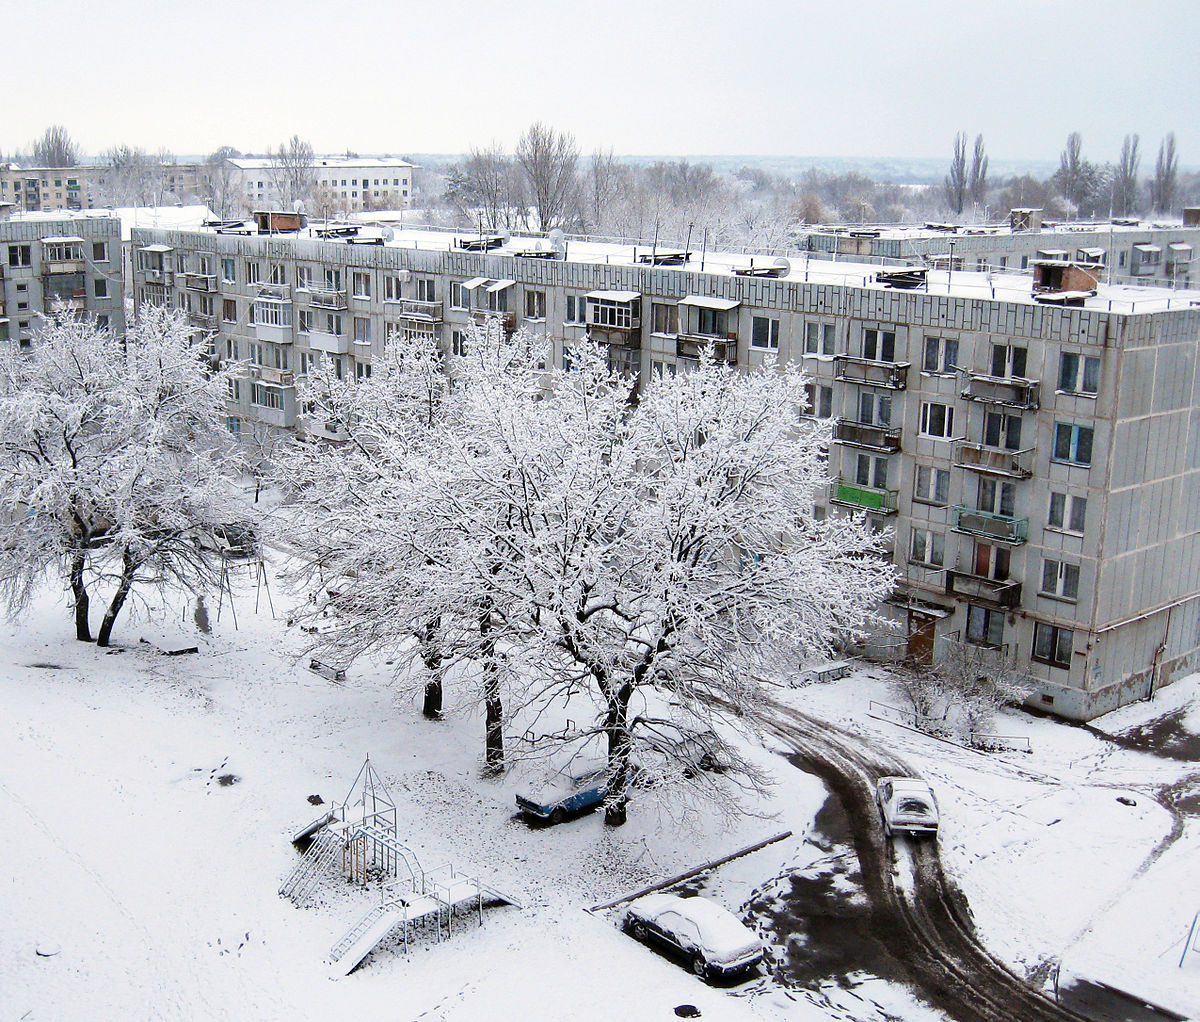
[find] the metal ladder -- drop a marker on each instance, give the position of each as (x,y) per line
(300,882)
(355,932)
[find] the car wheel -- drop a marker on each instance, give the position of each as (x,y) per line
(638,929)
(700,967)
(706,763)
(558,815)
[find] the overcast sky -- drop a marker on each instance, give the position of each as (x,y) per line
(689,77)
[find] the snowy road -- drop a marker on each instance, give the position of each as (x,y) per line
(918,915)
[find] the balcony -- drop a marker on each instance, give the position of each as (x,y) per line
(893,375)
(327,298)
(865,498)
(331,344)
(988,525)
(1010,391)
(157,275)
(203,321)
(1001,592)
(200,281)
(281,417)
(327,429)
(276,333)
(274,292)
(421,311)
(994,460)
(724,347)
(482,316)
(861,434)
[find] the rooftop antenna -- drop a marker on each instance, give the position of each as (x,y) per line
(703,249)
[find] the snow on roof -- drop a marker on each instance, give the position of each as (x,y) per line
(156,248)
(65,240)
(615,296)
(185,218)
(705,302)
(332,162)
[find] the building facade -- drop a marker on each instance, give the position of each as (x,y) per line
(1035,455)
(341,184)
(59,264)
(46,189)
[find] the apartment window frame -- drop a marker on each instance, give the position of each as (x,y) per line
(362,330)
(985,626)
(253,271)
(820,399)
(535,304)
(764,333)
(99,251)
(664,317)
(937,420)
(228,271)
(20,255)
(1010,361)
(820,339)
(1067,513)
(229,313)
(931,485)
(1059,580)
(1078,374)
(360,284)
(1074,444)
(1053,645)
(939,355)
(927,547)
(879,345)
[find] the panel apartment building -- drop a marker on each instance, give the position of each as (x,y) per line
(1037,455)
(343,184)
(59,262)
(1127,250)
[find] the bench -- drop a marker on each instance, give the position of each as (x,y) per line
(829,671)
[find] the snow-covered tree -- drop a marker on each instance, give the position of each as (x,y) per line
(652,559)
(112,451)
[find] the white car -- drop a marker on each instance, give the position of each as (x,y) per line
(906,804)
(710,938)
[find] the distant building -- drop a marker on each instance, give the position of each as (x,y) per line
(1033,441)
(62,263)
(341,184)
(45,189)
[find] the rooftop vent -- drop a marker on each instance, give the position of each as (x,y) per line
(480,243)
(274,221)
(1024,219)
(776,268)
(662,257)
(905,279)
(1191,216)
(1062,283)
(1126,221)
(944,228)
(337,232)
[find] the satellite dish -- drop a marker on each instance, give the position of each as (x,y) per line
(556,239)
(298,206)
(782,266)
(387,233)
(505,237)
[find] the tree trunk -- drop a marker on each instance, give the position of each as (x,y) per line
(83,631)
(616,805)
(431,654)
(129,566)
(493,707)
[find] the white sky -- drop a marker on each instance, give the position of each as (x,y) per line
(850,78)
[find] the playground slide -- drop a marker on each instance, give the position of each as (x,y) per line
(363,943)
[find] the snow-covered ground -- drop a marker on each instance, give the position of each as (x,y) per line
(147,803)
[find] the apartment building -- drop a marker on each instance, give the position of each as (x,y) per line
(1035,453)
(1129,251)
(342,184)
(46,189)
(64,262)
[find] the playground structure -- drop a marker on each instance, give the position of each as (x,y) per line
(356,841)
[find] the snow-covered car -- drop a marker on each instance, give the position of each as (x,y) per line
(566,793)
(710,938)
(234,539)
(906,804)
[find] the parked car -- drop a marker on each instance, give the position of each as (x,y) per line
(567,793)
(906,804)
(233,539)
(710,938)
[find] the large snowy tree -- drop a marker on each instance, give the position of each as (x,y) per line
(112,451)
(653,559)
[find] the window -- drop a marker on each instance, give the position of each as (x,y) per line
(101,287)
(1067,512)
(362,330)
(1000,430)
(928,547)
(607,313)
(304,277)
(232,343)
(361,282)
(1009,360)
(251,272)
(333,278)
(1053,645)
(333,323)
(306,321)
(937,420)
(765,332)
(879,345)
(576,309)
(229,310)
(820,400)
(206,305)
(498,300)
(1072,444)
(99,251)
(459,298)
(266,397)
(535,304)
(278,273)
(871,470)
(426,289)
(102,322)
(666,318)
(940,355)
(20,255)
(1078,374)
(932,485)
(819,338)
(985,627)
(874,409)
(1060,579)
(362,371)
(273,313)
(233,389)
(458,343)
(229,271)
(997,498)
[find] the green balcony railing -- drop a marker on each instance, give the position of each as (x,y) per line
(869,498)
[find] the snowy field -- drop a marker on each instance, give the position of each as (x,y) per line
(147,802)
